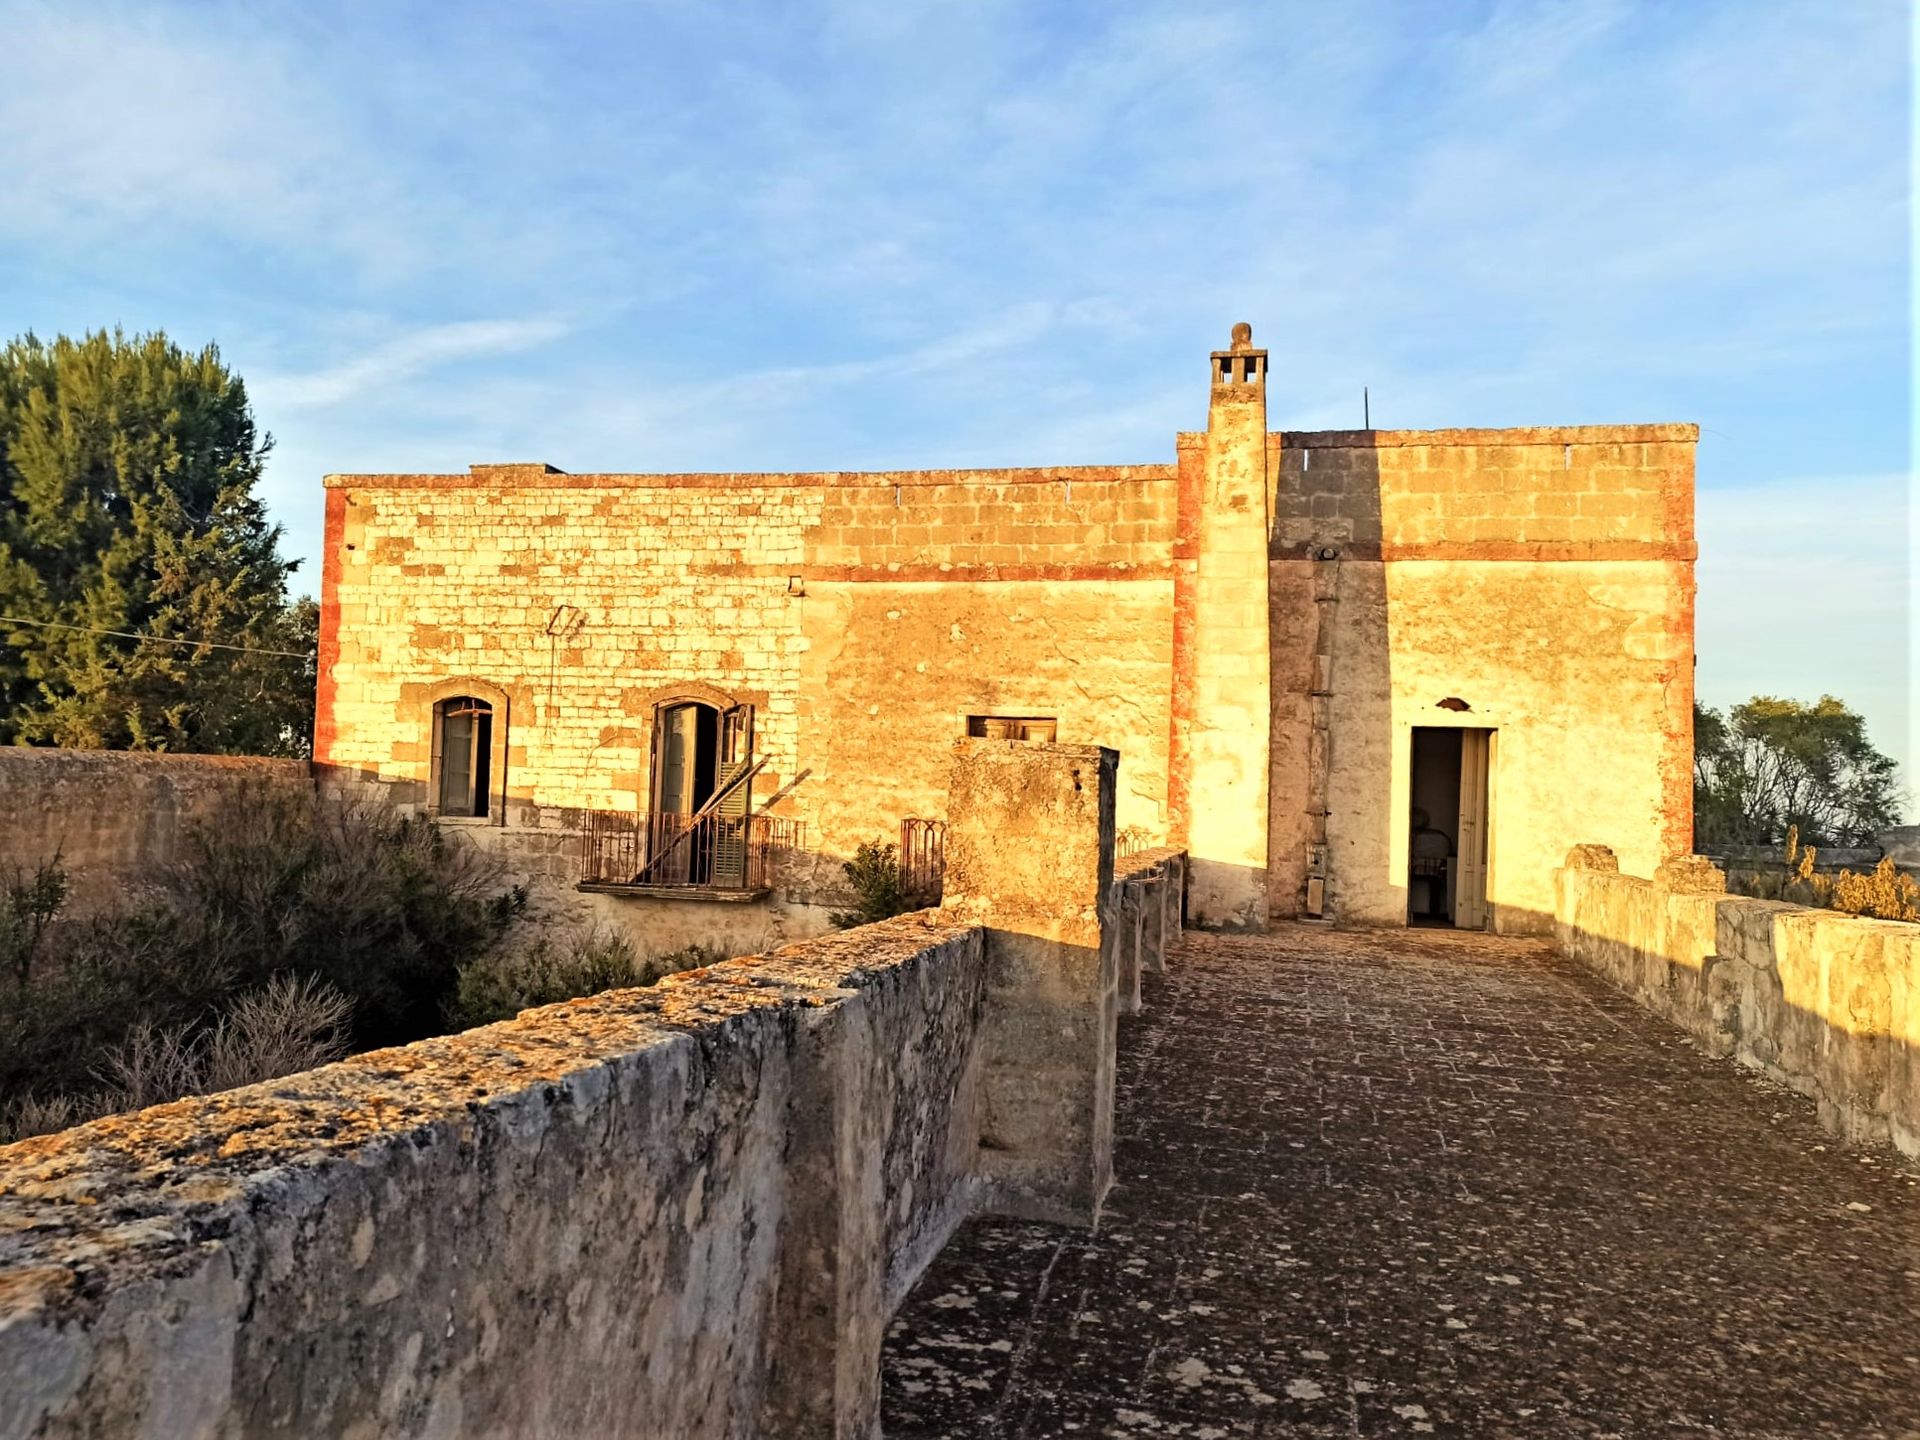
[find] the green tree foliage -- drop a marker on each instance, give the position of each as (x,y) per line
(1769,765)
(502,983)
(127,476)
(879,889)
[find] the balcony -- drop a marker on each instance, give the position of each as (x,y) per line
(693,857)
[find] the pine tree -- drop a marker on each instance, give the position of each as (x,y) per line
(128,470)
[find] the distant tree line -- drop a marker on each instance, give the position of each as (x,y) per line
(143,596)
(1767,767)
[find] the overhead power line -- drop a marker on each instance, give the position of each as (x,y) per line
(155,639)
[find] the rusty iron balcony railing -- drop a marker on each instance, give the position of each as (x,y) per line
(923,860)
(728,854)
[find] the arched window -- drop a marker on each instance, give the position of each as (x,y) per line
(462,755)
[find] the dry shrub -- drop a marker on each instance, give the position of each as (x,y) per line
(1883,893)
(289,1025)
(182,986)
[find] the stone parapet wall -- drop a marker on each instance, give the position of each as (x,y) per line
(1590,492)
(1149,895)
(687,1210)
(613,1216)
(116,817)
(1828,1004)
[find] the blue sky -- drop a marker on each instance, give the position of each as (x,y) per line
(856,235)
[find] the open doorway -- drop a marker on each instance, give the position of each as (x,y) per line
(687,737)
(1447,827)
(697,831)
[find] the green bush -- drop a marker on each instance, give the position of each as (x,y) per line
(501,985)
(382,911)
(28,904)
(879,888)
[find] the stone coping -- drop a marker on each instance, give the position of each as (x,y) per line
(153,761)
(133,1196)
(1656,434)
(537,476)
(1143,862)
(674,892)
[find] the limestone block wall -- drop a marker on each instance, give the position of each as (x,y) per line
(1828,1004)
(117,817)
(865,617)
(1543,578)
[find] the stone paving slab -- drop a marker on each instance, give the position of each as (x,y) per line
(1428,1183)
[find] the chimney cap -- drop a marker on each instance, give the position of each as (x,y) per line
(1242,336)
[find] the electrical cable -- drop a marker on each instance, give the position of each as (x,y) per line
(155,639)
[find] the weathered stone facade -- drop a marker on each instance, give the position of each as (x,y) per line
(1258,627)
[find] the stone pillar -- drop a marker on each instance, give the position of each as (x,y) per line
(1685,875)
(1229,708)
(1030,859)
(1128,900)
(1153,921)
(830,1314)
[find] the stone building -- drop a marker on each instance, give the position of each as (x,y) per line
(1377,676)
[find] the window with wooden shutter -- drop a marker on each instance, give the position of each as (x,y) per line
(462,755)
(1039,728)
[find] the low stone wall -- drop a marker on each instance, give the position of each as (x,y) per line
(688,1210)
(668,1211)
(1149,888)
(1828,1004)
(115,816)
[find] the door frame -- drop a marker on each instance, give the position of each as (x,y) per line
(1400,794)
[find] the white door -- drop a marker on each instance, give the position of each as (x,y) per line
(1470,896)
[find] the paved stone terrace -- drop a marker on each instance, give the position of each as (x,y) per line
(1419,1182)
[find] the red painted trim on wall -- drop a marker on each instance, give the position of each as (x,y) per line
(1676,753)
(1676,759)
(1521,550)
(326,690)
(960,572)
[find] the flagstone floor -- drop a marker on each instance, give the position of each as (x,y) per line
(1430,1183)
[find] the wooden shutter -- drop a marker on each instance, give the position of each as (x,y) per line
(1470,901)
(736,805)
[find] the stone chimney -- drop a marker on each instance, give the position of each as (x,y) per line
(1231,700)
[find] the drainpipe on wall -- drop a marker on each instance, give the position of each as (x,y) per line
(1326,605)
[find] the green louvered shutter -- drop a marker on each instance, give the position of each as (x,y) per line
(731,822)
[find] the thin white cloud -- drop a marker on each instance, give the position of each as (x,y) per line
(404,358)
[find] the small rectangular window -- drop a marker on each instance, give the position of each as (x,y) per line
(1040,728)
